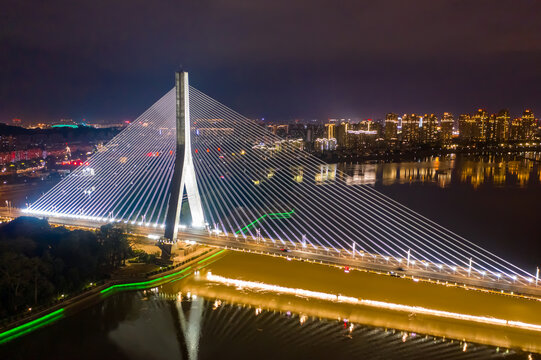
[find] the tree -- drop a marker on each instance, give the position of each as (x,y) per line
(15,277)
(115,244)
(38,262)
(41,271)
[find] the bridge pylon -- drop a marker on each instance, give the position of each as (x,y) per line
(184,172)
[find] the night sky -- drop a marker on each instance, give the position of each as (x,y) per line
(108,60)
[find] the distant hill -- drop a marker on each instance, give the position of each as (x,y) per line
(24,137)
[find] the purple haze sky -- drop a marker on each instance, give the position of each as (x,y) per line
(109,60)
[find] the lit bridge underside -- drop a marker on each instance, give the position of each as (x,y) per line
(263,192)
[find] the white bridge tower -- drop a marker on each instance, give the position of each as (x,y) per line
(184,172)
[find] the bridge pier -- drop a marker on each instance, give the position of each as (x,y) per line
(166,248)
(171,249)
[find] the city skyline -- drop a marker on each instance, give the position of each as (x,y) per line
(68,121)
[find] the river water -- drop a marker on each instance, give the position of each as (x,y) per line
(493,201)
(152,325)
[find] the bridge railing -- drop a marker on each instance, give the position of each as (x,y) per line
(392,264)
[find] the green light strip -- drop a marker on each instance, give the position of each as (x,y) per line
(250,224)
(211,256)
(212,262)
(143,284)
(24,332)
(180,278)
(149,283)
(58,314)
(284,215)
(30,326)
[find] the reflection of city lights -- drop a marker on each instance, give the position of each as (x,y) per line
(372,303)
(441,172)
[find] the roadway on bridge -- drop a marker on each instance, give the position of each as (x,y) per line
(367,262)
(266,246)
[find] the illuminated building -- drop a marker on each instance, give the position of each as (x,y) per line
(497,126)
(465,127)
(501,128)
(361,135)
(331,131)
(474,127)
(480,128)
(514,129)
(410,128)
(391,126)
(528,126)
(342,135)
(446,132)
(523,128)
(323,144)
(491,128)
(428,129)
(279,130)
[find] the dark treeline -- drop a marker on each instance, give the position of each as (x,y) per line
(39,263)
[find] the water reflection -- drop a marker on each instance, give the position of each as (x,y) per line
(518,170)
(225,327)
(186,320)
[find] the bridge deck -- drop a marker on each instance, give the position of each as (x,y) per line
(459,276)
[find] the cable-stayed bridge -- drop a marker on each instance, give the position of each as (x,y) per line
(245,185)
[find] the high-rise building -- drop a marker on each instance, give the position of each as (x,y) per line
(501,126)
(528,126)
(514,129)
(481,126)
(342,135)
(391,126)
(363,134)
(523,128)
(446,128)
(429,128)
(323,144)
(465,127)
(491,128)
(410,128)
(331,131)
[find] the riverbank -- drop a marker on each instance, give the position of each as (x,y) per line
(401,155)
(79,302)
